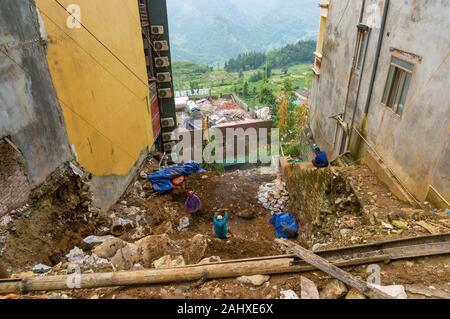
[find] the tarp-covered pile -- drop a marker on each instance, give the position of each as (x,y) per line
(285,224)
(162,181)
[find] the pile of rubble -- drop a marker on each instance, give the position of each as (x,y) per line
(274,196)
(235,115)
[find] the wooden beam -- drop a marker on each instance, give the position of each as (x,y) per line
(333,270)
(426,291)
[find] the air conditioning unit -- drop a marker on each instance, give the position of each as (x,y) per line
(162,62)
(169,146)
(167,122)
(165,93)
(164,77)
(161,46)
(168,137)
(157,29)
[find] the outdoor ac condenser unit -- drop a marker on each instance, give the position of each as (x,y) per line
(168,137)
(167,122)
(162,62)
(169,146)
(165,93)
(161,46)
(164,77)
(157,29)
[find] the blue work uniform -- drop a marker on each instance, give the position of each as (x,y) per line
(321,160)
(221,226)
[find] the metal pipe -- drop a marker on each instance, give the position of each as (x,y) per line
(344,113)
(355,106)
(377,55)
(361,13)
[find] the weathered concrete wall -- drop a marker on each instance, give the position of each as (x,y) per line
(29,111)
(107,190)
(415,146)
(105,105)
(329,90)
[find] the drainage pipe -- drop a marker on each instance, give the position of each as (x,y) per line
(374,70)
(355,106)
(361,15)
(377,56)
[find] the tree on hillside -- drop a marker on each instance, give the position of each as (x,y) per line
(283,120)
(193,85)
(288,111)
(268,71)
(266,96)
(246,92)
(288,89)
(300,52)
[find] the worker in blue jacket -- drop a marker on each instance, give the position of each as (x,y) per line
(321,159)
(221,225)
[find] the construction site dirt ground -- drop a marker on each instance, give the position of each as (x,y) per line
(251,236)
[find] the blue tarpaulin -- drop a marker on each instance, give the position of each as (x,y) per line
(162,181)
(285,225)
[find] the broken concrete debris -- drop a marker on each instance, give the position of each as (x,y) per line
(196,249)
(169,262)
(109,247)
(355,294)
(77,257)
(288,294)
(308,289)
(335,289)
(184,224)
(92,241)
(41,269)
(274,196)
(395,291)
(256,280)
(120,226)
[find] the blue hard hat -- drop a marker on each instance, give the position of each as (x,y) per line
(315,148)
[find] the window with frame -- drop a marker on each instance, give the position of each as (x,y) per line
(397,85)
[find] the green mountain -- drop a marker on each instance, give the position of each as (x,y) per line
(213,31)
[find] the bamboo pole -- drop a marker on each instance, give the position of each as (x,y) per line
(146,277)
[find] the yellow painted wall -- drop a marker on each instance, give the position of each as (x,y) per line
(108,125)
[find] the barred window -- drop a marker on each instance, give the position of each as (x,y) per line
(397,85)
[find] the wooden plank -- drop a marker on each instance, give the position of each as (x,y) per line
(430,228)
(426,291)
(333,270)
(414,251)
